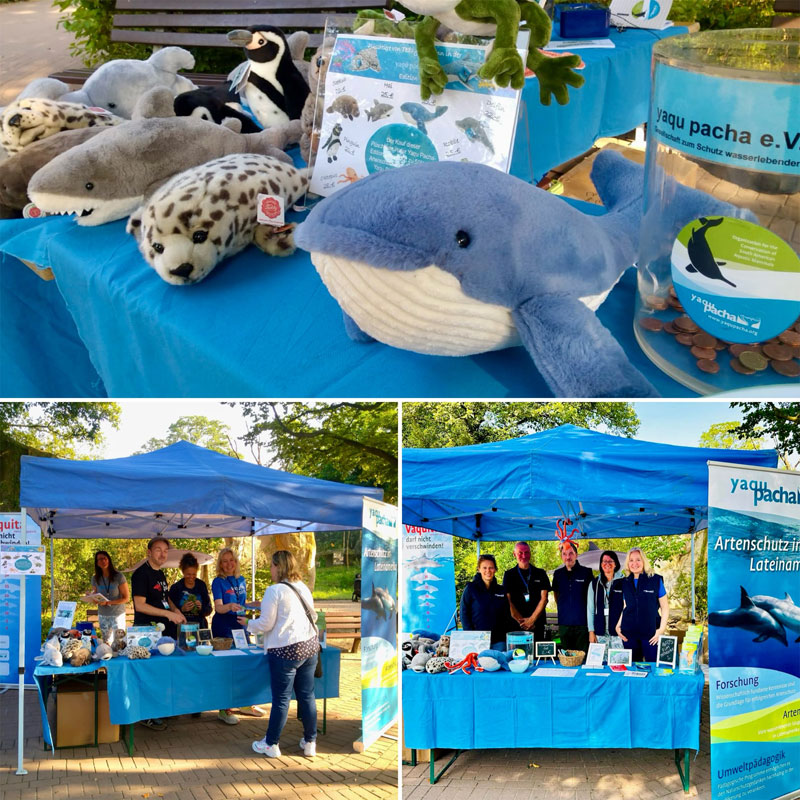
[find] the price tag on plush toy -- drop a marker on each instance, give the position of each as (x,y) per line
(270,210)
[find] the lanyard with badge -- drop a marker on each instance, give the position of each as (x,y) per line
(235,589)
(526,583)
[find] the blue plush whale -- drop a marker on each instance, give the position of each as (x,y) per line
(452,258)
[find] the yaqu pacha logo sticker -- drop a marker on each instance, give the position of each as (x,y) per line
(736,280)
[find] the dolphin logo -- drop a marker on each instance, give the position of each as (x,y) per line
(700,255)
(422,561)
(749,617)
(785,611)
(380,602)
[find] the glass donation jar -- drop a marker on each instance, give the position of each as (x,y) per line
(718,300)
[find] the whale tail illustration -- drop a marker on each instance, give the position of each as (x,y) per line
(439,111)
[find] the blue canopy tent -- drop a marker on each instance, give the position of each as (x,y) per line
(608,486)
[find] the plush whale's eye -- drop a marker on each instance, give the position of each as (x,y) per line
(198,237)
(89,186)
(261,42)
(112,105)
(159,248)
(462,239)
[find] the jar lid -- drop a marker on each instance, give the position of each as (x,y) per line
(748,53)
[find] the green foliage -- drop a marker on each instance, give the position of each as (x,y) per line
(89,21)
(779,421)
(347,442)
(723,434)
(199,430)
(335,583)
(683,589)
(723,14)
(455,424)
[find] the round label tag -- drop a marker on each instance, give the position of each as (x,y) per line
(736,280)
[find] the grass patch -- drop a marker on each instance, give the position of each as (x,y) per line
(335,583)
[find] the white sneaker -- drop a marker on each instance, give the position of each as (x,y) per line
(309,748)
(268,750)
(226,716)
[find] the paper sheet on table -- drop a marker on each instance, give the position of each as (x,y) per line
(552,672)
(228,653)
(575,44)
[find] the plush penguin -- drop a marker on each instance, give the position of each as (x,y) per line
(269,83)
(211,103)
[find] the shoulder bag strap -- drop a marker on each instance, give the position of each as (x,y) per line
(305,606)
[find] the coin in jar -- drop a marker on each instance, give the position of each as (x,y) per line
(703,339)
(685,339)
(686,324)
(789,369)
(778,352)
(753,360)
(737,366)
(792,338)
(651,324)
(707,365)
(737,349)
(669,327)
(706,353)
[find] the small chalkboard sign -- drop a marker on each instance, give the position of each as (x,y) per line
(545,650)
(667,653)
(204,636)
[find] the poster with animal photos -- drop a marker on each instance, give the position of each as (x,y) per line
(374,118)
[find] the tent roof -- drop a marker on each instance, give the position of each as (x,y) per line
(609,486)
(182,491)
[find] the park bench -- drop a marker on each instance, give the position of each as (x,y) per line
(193,24)
(344,624)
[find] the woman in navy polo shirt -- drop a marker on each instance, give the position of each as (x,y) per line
(484,606)
(645,607)
(602,607)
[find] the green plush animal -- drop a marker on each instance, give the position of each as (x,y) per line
(500,18)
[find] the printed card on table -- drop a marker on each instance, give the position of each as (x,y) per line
(374,118)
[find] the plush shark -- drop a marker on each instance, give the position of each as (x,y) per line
(108,177)
(459,272)
(785,611)
(749,617)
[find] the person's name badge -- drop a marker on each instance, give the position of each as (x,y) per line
(165,604)
(527,598)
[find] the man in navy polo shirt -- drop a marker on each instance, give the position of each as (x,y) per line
(526,588)
(570,585)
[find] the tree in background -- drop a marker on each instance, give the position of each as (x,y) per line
(347,442)
(209,433)
(456,424)
(47,429)
(723,434)
(779,421)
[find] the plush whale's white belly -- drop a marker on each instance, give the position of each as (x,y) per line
(423,310)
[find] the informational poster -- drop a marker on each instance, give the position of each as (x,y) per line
(754,631)
(379,540)
(374,118)
(650,14)
(428,592)
(10,535)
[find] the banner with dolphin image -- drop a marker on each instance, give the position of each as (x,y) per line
(754,631)
(379,539)
(427,592)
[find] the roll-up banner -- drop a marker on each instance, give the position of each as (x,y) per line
(754,631)
(10,537)
(427,591)
(379,540)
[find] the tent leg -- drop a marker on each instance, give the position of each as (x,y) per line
(252,567)
(23,535)
(52,582)
(694,619)
(129,743)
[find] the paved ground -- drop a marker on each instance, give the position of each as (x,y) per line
(536,774)
(204,759)
(31,46)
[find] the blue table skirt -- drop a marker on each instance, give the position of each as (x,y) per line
(185,683)
(501,709)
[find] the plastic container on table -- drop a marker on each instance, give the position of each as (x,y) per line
(718,301)
(521,640)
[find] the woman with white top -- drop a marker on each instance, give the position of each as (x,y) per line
(291,643)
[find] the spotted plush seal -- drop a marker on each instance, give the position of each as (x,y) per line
(436,665)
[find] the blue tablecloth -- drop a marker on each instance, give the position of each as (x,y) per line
(501,709)
(185,683)
(259,326)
